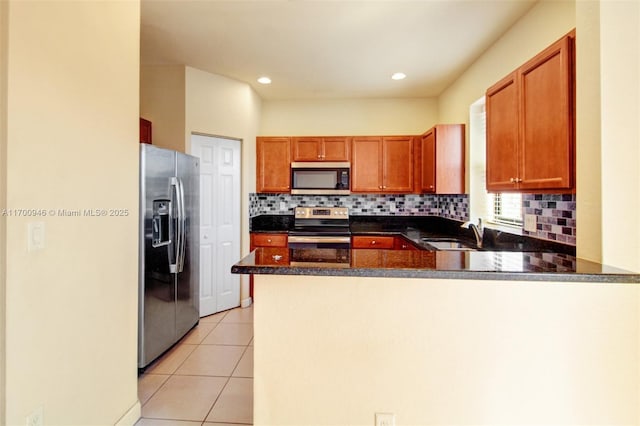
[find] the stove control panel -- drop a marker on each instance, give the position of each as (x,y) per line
(321,213)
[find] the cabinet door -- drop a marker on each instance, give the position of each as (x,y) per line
(546,119)
(366,167)
(397,161)
(335,149)
(428,152)
(307,149)
(502,134)
(268,240)
(372,242)
(401,243)
(273,172)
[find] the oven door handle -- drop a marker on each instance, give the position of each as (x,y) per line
(313,239)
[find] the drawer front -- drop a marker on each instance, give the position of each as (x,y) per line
(374,242)
(268,240)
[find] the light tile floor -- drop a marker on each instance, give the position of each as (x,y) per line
(206,379)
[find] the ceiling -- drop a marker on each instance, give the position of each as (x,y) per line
(327,48)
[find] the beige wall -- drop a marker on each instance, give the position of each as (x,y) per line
(3,195)
(588,131)
(336,350)
(162,101)
(72,143)
(219,106)
(542,25)
(348,117)
(620,97)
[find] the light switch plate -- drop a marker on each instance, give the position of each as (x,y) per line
(385,419)
(530,222)
(35,236)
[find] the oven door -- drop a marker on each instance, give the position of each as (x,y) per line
(315,242)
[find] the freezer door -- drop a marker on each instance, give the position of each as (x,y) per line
(188,280)
(157,295)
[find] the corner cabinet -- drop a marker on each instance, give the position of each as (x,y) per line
(442,160)
(531,122)
(273,155)
(333,148)
(382,164)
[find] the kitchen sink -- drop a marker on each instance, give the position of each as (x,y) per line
(447,244)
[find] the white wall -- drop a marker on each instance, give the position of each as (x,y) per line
(347,117)
(620,97)
(219,106)
(336,350)
(72,143)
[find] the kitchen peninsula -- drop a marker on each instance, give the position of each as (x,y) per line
(444,337)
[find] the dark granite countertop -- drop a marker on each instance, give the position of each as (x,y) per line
(474,265)
(414,228)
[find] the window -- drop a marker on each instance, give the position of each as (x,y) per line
(507,209)
(503,208)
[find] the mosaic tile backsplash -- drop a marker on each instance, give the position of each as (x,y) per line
(556,213)
(556,216)
(450,206)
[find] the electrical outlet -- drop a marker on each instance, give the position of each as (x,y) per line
(392,206)
(385,419)
(283,206)
(530,222)
(36,418)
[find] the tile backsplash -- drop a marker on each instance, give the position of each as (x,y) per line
(555,213)
(450,206)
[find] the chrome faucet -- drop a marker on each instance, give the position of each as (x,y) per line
(478,230)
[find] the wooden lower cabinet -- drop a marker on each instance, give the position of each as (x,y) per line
(372,242)
(401,243)
(275,240)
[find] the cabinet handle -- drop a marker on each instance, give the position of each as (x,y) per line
(518,180)
(512,180)
(430,186)
(268,240)
(373,243)
(379,186)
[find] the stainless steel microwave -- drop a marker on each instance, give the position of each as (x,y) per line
(332,178)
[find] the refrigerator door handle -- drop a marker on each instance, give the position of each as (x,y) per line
(175,257)
(182,228)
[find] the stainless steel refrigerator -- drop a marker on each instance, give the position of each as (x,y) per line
(169,250)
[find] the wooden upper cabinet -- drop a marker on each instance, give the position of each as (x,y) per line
(502,133)
(273,172)
(546,117)
(145,131)
(366,164)
(530,124)
(382,164)
(443,160)
(397,164)
(320,148)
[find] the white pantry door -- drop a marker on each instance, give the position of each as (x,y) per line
(219,221)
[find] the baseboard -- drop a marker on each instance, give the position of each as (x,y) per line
(131,416)
(245,303)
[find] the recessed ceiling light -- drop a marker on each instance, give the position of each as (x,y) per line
(264,80)
(398,76)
